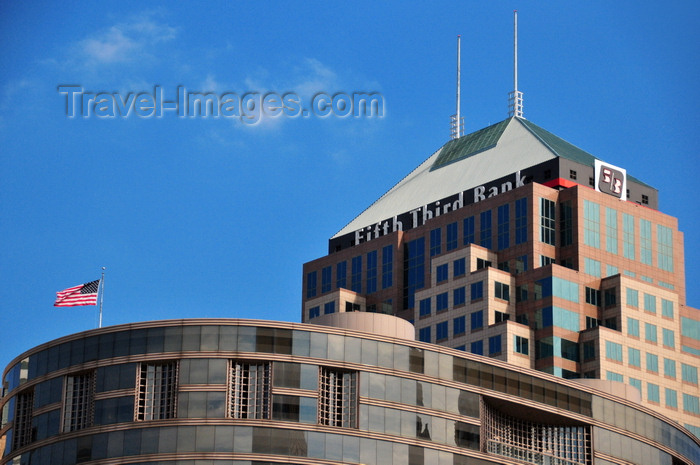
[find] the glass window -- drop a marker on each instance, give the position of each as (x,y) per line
(311,285)
(666,308)
(337,399)
(691,404)
(547,221)
(329,307)
(157,391)
(645,241)
(477,347)
(451,243)
(441,272)
(435,242)
(611,270)
(653,392)
(424,334)
(495,345)
(459,296)
(441,302)
(415,270)
(459,267)
(628,245)
(669,367)
(502,291)
(78,401)
(636,383)
(611,230)
(371,272)
(669,339)
(356,275)
(689,373)
(424,307)
(459,326)
(591,267)
(613,351)
(477,291)
(326,279)
(22,429)
(650,332)
(468,231)
(652,362)
(664,247)
(591,224)
(477,320)
(634,357)
(485,239)
(341,275)
(521,345)
(649,303)
(314,312)
(441,331)
(632,327)
(632,298)
(521,221)
(249,390)
(612,376)
(503,226)
(387,266)
(671,398)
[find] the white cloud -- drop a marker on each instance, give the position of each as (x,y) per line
(126,41)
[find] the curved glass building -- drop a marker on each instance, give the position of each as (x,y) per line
(362,391)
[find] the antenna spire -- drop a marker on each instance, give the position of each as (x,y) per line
(515,98)
(456,120)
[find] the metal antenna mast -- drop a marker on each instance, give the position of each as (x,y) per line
(456,120)
(515,98)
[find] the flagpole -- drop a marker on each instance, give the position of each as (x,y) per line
(102,294)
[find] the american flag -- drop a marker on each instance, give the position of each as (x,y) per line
(84,294)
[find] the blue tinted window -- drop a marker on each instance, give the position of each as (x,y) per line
(441,302)
(459,325)
(356,275)
(372,272)
(341,273)
(632,327)
(459,267)
(477,347)
(424,308)
(503,226)
(485,239)
(442,273)
(521,221)
(435,242)
(314,312)
(387,266)
(441,331)
(311,285)
(451,236)
(458,296)
(495,344)
(415,270)
(329,307)
(477,320)
(613,351)
(424,334)
(468,231)
(477,291)
(326,279)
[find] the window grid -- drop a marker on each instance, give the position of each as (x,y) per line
(157,391)
(591,223)
(645,241)
(451,236)
(468,231)
(664,247)
(337,401)
(249,390)
(532,442)
(503,226)
(611,230)
(485,239)
(566,222)
(23,419)
(387,266)
(371,272)
(78,401)
(547,221)
(628,236)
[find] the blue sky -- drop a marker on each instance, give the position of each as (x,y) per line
(213,217)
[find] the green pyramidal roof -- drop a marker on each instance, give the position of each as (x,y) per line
(471,144)
(558,145)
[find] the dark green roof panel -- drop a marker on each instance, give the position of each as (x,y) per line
(469,145)
(558,145)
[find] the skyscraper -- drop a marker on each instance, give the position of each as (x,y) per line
(515,244)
